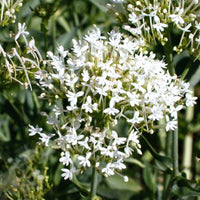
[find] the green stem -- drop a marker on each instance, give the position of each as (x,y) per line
(186,70)
(188,143)
(54,33)
(169,52)
(175,152)
(44,29)
(45,42)
(168,153)
(93,183)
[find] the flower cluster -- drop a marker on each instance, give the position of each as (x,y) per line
(15,61)
(102,81)
(8,9)
(154,20)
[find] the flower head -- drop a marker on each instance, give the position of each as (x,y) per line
(109,79)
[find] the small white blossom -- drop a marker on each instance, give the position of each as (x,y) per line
(108,170)
(136,119)
(190,100)
(45,138)
(84,161)
(68,174)
(65,159)
(21,30)
(88,106)
(33,131)
(170,124)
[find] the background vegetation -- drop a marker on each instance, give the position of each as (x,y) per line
(30,171)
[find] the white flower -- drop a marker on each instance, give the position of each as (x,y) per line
(128,151)
(72,137)
(136,119)
(58,110)
(85,143)
(133,18)
(176,18)
(72,97)
(133,98)
(85,75)
(156,112)
(84,161)
(160,26)
(108,170)
(70,80)
(65,159)
(111,111)
(117,140)
(133,137)
(33,131)
(94,36)
(62,52)
(170,124)
(72,107)
(115,38)
(45,138)
(190,100)
(119,165)
(68,174)
(88,106)
(108,151)
(21,30)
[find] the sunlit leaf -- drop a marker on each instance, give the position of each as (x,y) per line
(116,182)
(135,162)
(149,177)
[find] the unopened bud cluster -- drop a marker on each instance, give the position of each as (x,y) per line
(154,20)
(7,11)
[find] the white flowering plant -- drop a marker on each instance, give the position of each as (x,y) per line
(103,80)
(106,103)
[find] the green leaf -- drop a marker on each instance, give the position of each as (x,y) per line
(83,187)
(164,163)
(22,96)
(149,178)
(28,6)
(29,98)
(100,5)
(195,78)
(66,38)
(135,162)
(107,193)
(57,175)
(117,182)
(4,128)
(183,187)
